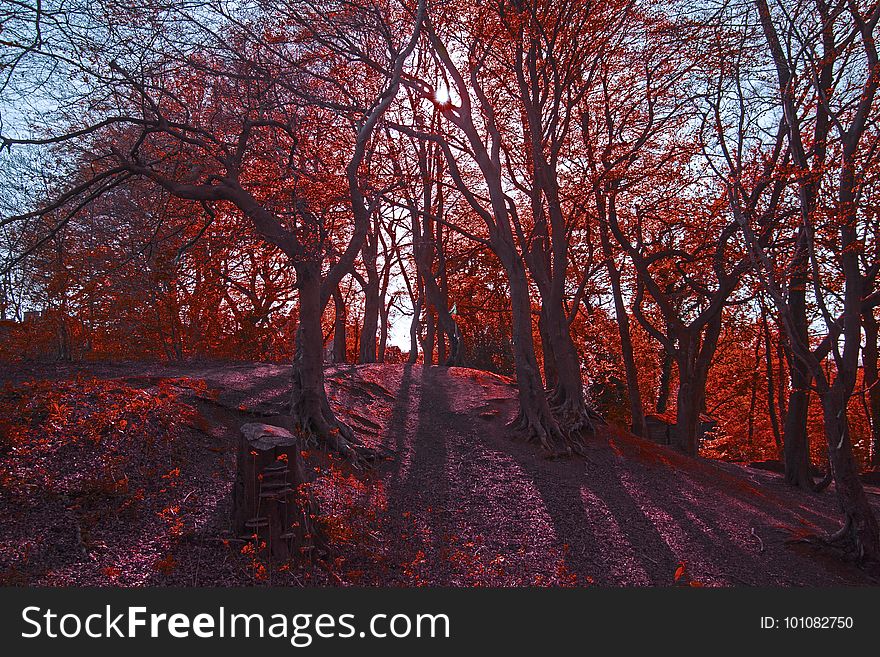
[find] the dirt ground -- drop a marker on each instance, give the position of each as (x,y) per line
(461,503)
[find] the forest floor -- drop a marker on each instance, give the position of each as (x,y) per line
(462,503)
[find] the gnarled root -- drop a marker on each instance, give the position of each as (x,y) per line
(825,482)
(574,415)
(321,428)
(573,419)
(547,432)
(845,541)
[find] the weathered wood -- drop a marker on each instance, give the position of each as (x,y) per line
(270,503)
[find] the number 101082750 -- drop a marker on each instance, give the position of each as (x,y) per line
(807,623)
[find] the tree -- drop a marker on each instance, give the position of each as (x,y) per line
(247,126)
(829,219)
(478,116)
(425,197)
(649,199)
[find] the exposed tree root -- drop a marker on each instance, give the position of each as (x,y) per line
(564,431)
(325,430)
(841,535)
(575,415)
(844,542)
(557,435)
(825,481)
(572,421)
(544,433)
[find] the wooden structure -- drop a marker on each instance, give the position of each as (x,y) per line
(270,504)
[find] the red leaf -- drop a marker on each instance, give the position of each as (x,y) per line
(679,572)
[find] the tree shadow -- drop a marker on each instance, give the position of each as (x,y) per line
(609,536)
(418,486)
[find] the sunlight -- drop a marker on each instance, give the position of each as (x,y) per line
(441,95)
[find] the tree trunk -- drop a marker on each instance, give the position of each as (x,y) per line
(438,298)
(796,441)
(428,344)
(753,396)
(535,419)
(372,301)
(551,377)
(860,524)
(65,350)
(441,345)
(771,386)
(694,358)
(339,338)
(872,388)
(665,381)
(637,412)
(371,324)
(383,333)
(414,332)
(687,415)
(445,323)
(567,398)
(312,418)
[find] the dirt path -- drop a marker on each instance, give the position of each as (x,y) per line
(469,505)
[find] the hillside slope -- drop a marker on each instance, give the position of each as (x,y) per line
(461,503)
(467,503)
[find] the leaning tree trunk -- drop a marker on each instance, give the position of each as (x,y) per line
(551,376)
(860,527)
(310,411)
(270,504)
(872,387)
